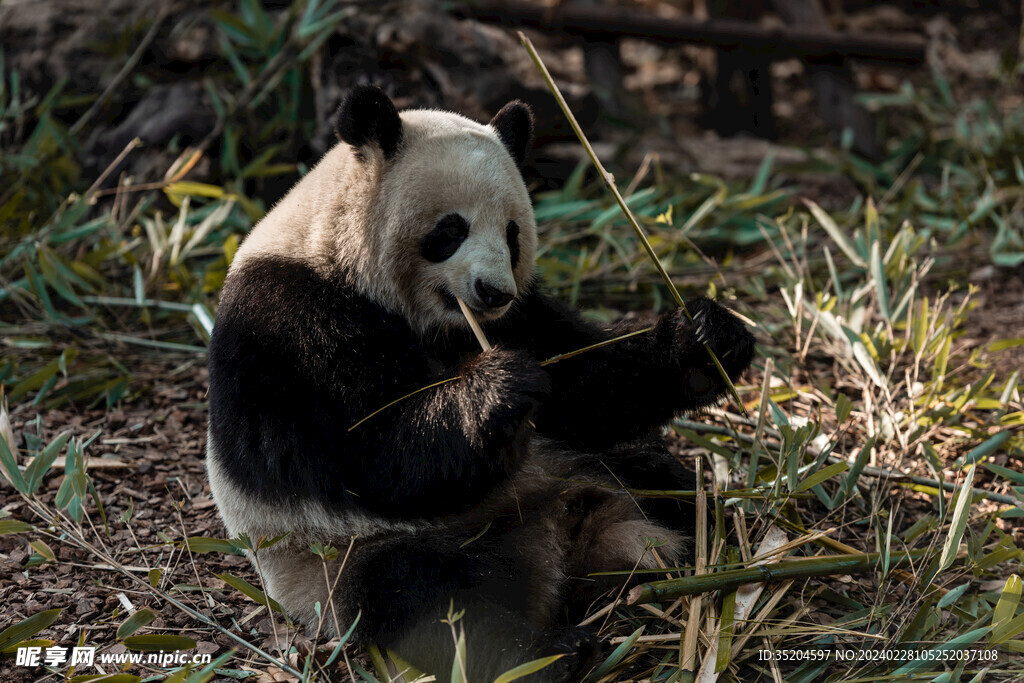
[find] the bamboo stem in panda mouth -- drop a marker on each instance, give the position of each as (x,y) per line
(477,330)
(609,180)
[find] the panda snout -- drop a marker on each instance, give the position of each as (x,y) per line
(492,296)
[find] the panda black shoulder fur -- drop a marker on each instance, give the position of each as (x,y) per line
(500,491)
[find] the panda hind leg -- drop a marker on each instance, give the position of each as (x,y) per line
(497,640)
(647,464)
(408,586)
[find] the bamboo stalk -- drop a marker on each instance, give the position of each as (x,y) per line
(609,180)
(402,398)
(598,345)
(477,330)
(799,568)
(688,643)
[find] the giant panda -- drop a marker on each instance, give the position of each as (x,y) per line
(494,496)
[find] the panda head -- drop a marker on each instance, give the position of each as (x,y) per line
(448,212)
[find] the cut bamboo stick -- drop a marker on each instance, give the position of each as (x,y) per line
(477,330)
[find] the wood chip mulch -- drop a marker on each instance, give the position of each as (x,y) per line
(148,459)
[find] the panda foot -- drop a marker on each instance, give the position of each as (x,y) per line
(580,648)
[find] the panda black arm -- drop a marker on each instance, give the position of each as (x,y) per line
(447,447)
(297,359)
(622,391)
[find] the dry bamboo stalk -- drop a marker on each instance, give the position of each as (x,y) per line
(755,625)
(132,144)
(746,598)
(762,412)
(688,643)
(609,180)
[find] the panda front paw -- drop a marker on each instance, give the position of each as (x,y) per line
(714,325)
(507,381)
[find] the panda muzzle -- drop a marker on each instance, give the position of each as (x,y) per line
(491,296)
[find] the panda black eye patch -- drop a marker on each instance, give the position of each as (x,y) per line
(445,239)
(512,237)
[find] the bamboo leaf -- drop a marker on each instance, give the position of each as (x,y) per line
(203,544)
(1006,607)
(941,360)
(728,623)
(877,269)
(9,468)
(836,233)
(919,329)
(616,656)
(250,591)
(42,463)
(777,414)
(158,641)
(459,661)
(343,641)
(985,448)
(957,643)
(761,177)
(135,622)
(526,669)
(1005,472)
(1006,630)
(863,357)
(821,475)
(45,551)
(108,678)
(855,469)
(191,188)
(25,629)
(952,596)
(844,406)
(702,212)
(1003,344)
(14,526)
(34,642)
(959,524)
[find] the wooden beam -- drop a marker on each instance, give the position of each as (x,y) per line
(607,23)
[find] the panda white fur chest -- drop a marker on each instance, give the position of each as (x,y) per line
(499,492)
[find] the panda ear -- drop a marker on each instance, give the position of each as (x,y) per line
(514,125)
(368,116)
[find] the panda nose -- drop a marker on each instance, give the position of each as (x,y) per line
(492,296)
